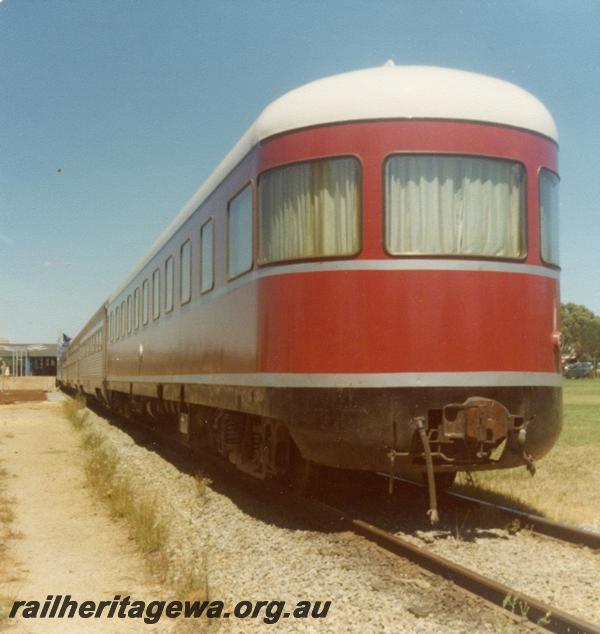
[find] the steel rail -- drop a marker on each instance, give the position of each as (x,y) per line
(541,614)
(541,525)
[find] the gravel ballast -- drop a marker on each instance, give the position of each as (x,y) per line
(559,574)
(246,558)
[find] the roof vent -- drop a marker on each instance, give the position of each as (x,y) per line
(390,62)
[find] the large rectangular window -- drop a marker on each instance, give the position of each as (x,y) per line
(452,205)
(310,210)
(145,302)
(206,257)
(549,216)
(185,272)
(117,323)
(156,294)
(239,233)
(169,284)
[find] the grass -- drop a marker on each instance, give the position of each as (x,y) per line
(516,623)
(138,511)
(136,507)
(74,410)
(581,424)
(566,486)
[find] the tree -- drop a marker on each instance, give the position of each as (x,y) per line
(591,340)
(580,331)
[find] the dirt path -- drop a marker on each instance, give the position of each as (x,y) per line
(65,539)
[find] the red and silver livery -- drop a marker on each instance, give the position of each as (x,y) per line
(369,280)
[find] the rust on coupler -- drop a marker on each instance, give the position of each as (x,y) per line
(480,425)
(460,435)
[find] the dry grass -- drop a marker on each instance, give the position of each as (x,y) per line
(136,507)
(566,486)
(74,410)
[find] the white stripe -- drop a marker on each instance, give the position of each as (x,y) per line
(370,380)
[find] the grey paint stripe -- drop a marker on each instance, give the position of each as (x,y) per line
(385,265)
(396,379)
(416,264)
(406,264)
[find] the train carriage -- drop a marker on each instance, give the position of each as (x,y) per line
(369,280)
(83,366)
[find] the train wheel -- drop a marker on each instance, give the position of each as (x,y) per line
(443,480)
(302,473)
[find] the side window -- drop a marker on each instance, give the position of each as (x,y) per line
(309,210)
(129,313)
(549,216)
(169,284)
(239,233)
(207,278)
(136,308)
(156,294)
(123,319)
(185,272)
(110,326)
(117,323)
(145,302)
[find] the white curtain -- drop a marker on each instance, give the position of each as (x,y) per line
(549,216)
(446,205)
(310,210)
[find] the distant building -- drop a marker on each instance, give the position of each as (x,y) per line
(28,359)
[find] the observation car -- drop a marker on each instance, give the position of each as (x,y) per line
(368,281)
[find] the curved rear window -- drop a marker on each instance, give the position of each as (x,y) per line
(455,206)
(549,216)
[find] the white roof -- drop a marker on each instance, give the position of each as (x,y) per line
(386,92)
(406,92)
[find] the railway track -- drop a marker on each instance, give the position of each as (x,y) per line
(541,525)
(537,523)
(541,614)
(535,611)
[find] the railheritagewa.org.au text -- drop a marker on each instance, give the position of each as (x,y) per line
(65,607)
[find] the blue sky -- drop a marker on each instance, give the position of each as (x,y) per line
(136,102)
